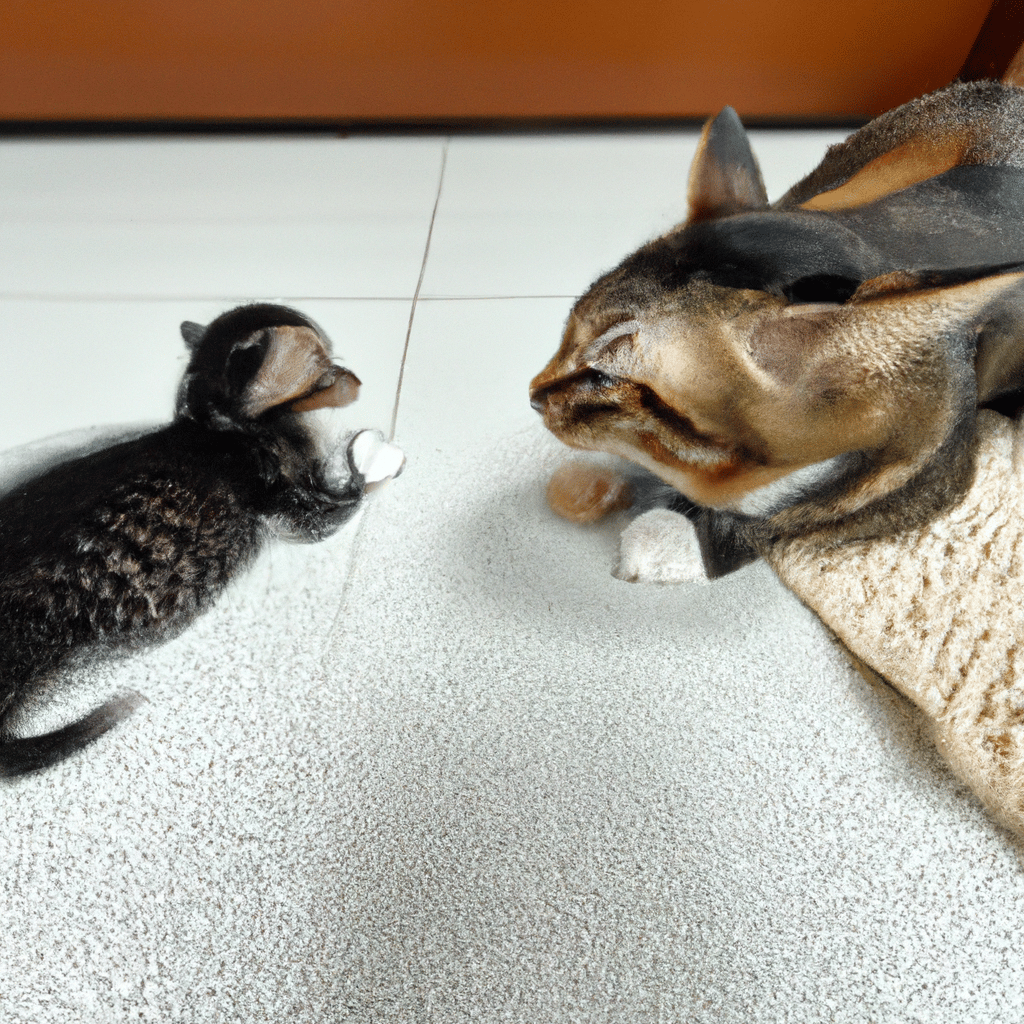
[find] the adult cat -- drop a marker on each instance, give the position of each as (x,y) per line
(817,363)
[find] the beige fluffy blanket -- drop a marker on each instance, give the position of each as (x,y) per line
(939,613)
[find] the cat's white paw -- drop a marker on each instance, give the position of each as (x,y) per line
(660,547)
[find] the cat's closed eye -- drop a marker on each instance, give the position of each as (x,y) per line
(821,288)
(595,380)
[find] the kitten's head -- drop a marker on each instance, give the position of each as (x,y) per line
(259,360)
(754,355)
(265,372)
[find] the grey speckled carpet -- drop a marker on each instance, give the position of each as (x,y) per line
(445,768)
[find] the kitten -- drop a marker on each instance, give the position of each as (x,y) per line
(124,547)
(815,364)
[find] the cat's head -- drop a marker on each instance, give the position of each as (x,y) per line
(754,355)
(256,361)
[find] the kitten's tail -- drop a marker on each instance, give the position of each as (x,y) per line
(19,756)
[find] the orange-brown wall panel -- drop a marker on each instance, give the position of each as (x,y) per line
(410,59)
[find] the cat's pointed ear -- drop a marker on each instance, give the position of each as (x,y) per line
(192,333)
(1014,74)
(724,176)
(997,51)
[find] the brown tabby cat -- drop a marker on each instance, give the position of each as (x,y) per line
(817,362)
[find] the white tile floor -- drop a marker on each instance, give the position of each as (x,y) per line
(443,767)
(110,243)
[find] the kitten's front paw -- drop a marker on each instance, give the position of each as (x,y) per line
(364,456)
(660,547)
(375,459)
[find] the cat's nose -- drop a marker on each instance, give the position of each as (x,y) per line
(554,397)
(549,401)
(539,388)
(549,391)
(556,404)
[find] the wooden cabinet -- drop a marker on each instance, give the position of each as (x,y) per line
(411,60)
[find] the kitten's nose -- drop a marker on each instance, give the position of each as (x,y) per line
(346,384)
(337,388)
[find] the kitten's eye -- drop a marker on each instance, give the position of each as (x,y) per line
(821,288)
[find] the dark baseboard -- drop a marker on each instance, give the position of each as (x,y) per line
(42,128)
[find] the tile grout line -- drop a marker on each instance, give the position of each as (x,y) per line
(353,552)
(416,293)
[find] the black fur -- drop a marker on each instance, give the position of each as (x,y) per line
(836,252)
(128,545)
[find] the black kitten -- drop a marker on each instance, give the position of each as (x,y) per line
(126,546)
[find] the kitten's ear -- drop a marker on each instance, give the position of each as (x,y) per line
(192,333)
(296,369)
(724,176)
